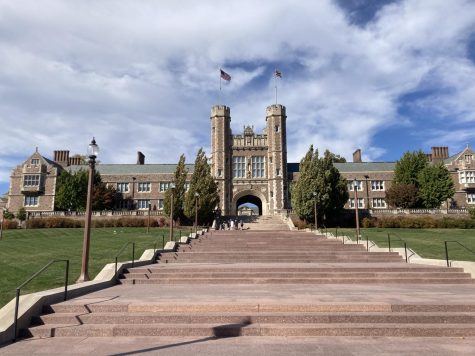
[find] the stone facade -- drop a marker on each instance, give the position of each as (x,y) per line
(249,168)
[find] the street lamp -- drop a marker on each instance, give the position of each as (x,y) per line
(92,152)
(197,196)
(1,223)
(172,190)
(315,209)
(355,187)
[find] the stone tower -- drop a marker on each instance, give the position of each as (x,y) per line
(221,138)
(277,157)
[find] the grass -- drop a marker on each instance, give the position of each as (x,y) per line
(24,252)
(428,243)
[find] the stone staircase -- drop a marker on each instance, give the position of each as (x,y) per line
(264,223)
(257,283)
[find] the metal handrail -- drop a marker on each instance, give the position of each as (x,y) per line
(120,251)
(405,247)
(447,250)
(17,298)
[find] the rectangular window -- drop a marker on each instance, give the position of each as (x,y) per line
(143,187)
(160,204)
(31,180)
(258,168)
(35,161)
(466,177)
(351,203)
(351,185)
(164,186)
(377,185)
(277,171)
(142,203)
(239,167)
(123,204)
(31,200)
(220,172)
(468,158)
(471,198)
(123,187)
(379,203)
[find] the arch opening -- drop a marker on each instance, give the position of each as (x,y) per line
(250,202)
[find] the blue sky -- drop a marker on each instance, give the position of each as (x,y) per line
(383,76)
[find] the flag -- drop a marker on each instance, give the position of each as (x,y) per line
(225,75)
(278,73)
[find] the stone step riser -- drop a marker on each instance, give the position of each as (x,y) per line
(295,275)
(400,330)
(299,281)
(130,318)
(279,260)
(262,308)
(402,268)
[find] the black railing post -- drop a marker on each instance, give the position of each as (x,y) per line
(66,277)
(447,254)
(17,303)
(367,243)
(336,232)
(133,254)
(389,243)
(116,257)
(163,241)
(405,250)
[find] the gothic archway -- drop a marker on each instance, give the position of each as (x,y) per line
(249,196)
(250,199)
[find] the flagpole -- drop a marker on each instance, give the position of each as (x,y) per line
(275,84)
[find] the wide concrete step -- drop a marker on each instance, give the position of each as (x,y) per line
(302,254)
(248,329)
(394,267)
(395,274)
(269,318)
(250,280)
(344,259)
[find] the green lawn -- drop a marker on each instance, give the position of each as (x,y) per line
(23,252)
(428,243)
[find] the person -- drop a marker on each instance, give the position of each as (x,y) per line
(242,225)
(232,224)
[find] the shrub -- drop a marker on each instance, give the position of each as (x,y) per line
(424,222)
(10,224)
(368,222)
(471,212)
(162,221)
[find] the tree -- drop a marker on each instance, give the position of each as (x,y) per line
(8,215)
(409,166)
(179,192)
(318,175)
(21,215)
(203,183)
(71,192)
(435,185)
(402,195)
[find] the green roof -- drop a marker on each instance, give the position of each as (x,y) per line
(365,167)
(117,169)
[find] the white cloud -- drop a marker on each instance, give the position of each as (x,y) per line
(143,76)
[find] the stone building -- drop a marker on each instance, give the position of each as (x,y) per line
(249,167)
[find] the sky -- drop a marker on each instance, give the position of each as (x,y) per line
(384,76)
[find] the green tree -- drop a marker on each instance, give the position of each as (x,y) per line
(409,166)
(179,191)
(21,215)
(435,185)
(318,175)
(203,183)
(7,214)
(71,192)
(402,195)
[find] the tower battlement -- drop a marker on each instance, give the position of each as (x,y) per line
(275,109)
(220,110)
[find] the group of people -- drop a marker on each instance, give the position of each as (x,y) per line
(229,224)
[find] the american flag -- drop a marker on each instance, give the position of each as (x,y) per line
(225,75)
(278,73)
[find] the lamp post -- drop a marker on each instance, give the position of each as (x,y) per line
(1,223)
(172,191)
(92,152)
(148,225)
(355,187)
(197,196)
(315,210)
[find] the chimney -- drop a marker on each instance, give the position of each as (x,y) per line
(61,157)
(75,161)
(357,156)
(140,158)
(439,153)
